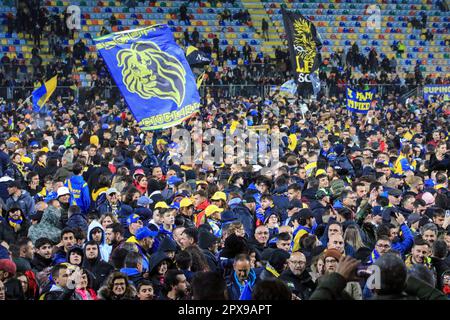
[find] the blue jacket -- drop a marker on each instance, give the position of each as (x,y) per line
(403,246)
(25,202)
(79,191)
(234,288)
(77,221)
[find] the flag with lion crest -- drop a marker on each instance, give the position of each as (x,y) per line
(152,74)
(304,46)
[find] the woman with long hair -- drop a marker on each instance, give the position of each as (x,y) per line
(352,236)
(107,219)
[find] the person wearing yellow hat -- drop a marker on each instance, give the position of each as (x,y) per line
(187,212)
(219,199)
(322,176)
(213,215)
(94,140)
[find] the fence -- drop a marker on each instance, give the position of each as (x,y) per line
(112,93)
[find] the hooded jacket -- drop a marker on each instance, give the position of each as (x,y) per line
(64,172)
(154,261)
(25,202)
(244,215)
(205,241)
(79,191)
(106,294)
(105,249)
(77,220)
(48,227)
(100,269)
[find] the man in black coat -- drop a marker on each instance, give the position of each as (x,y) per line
(297,276)
(92,262)
(209,243)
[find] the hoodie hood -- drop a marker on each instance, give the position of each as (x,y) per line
(155,260)
(51,216)
(77,182)
(167,244)
(206,240)
(95,224)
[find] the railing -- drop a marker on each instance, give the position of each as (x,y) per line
(112,93)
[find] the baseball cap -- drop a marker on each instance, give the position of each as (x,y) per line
(145,232)
(377,211)
(320,171)
(174,180)
(161,205)
(111,191)
(62,191)
(395,192)
(144,201)
(138,172)
(133,218)
(413,218)
(212,209)
(186,202)
(219,195)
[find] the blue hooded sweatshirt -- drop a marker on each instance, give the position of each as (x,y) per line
(79,192)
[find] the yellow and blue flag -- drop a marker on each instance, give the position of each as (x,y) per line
(43,93)
(359,101)
(152,74)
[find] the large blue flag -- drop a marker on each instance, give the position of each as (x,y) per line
(152,74)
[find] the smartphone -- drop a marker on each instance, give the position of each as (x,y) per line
(447,213)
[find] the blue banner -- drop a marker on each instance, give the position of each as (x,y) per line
(436,90)
(152,74)
(359,100)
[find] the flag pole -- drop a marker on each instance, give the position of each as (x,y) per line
(23,102)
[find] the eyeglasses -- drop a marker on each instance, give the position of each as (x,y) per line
(385,246)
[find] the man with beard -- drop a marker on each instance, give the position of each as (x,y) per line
(114,237)
(297,277)
(93,263)
(176,285)
(42,255)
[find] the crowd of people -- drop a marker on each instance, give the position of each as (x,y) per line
(93,208)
